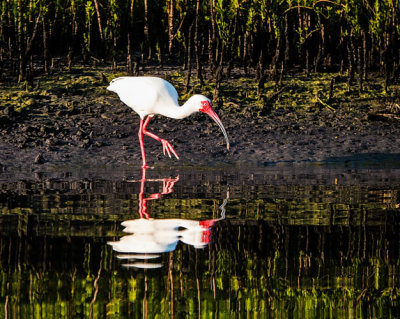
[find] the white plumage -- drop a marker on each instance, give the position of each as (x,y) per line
(148,96)
(145,95)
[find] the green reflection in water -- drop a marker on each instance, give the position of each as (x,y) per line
(294,246)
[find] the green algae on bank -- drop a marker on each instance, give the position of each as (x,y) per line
(238,94)
(72,117)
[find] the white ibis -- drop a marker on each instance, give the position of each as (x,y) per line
(148,96)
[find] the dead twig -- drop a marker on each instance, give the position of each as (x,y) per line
(325,104)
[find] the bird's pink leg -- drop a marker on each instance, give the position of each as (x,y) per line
(140,134)
(166,145)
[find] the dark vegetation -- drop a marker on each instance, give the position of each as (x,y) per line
(268,38)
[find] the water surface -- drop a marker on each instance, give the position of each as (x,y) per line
(282,241)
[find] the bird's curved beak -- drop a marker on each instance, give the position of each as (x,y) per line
(206,108)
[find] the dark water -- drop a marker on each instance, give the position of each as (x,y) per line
(276,242)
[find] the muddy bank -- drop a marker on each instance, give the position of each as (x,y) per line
(85,124)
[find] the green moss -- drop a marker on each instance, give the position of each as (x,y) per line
(301,93)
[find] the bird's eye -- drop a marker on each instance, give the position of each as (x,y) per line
(205,106)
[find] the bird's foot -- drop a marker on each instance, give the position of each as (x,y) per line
(167,147)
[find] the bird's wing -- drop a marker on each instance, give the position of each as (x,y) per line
(146,95)
(137,93)
(172,91)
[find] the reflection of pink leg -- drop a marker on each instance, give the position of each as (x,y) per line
(142,200)
(167,147)
(168,184)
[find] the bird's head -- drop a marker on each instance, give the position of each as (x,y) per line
(204,105)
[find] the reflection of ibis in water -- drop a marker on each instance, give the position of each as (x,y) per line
(154,236)
(162,235)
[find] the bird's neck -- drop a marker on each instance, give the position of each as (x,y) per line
(179,112)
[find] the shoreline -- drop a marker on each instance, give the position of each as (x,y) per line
(79,122)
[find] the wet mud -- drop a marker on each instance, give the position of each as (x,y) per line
(80,128)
